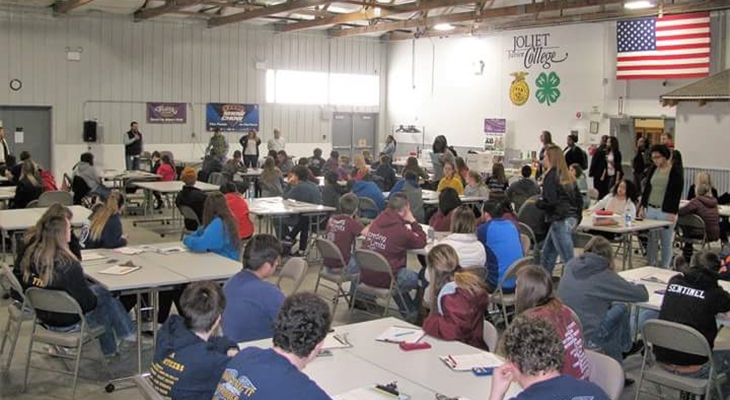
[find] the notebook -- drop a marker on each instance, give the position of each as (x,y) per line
(171,250)
(397,334)
(120,270)
(130,251)
(335,341)
(87,256)
(466,362)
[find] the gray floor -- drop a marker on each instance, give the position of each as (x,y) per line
(44,385)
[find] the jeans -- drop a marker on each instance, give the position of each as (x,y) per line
(102,191)
(559,240)
(722,365)
(614,336)
(132,163)
(406,280)
(251,161)
(661,235)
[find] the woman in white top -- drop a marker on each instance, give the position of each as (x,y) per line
(250,144)
(464,240)
(621,200)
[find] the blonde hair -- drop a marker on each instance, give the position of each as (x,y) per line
(463,220)
(557,162)
(477,177)
(359,161)
(703,177)
(702,189)
(101,217)
(445,264)
(29,171)
(49,249)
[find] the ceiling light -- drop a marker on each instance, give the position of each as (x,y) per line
(443,27)
(638,5)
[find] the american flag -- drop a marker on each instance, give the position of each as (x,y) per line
(674,46)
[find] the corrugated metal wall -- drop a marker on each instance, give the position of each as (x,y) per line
(720,179)
(124,64)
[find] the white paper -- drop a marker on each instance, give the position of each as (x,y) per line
(119,270)
(130,251)
(365,394)
(19,137)
(171,250)
(89,256)
(466,362)
(397,334)
(330,342)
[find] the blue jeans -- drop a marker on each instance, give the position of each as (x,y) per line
(614,335)
(102,191)
(559,240)
(132,163)
(661,235)
(722,365)
(406,281)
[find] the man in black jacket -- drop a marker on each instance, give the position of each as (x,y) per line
(133,146)
(574,154)
(598,162)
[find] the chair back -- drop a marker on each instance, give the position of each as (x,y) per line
(7,278)
(295,269)
(188,213)
(32,204)
(54,301)
(581,239)
(366,205)
(513,269)
(690,224)
(328,249)
(217,178)
(607,373)
(372,261)
(526,243)
(56,196)
(674,336)
(527,231)
(491,336)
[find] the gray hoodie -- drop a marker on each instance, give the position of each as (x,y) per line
(589,287)
(88,173)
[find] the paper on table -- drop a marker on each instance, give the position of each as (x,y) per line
(86,256)
(119,270)
(367,394)
(172,250)
(466,362)
(396,334)
(335,341)
(130,251)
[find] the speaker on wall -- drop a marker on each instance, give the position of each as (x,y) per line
(90,131)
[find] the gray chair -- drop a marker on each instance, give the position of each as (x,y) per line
(18,312)
(373,262)
(491,336)
(329,250)
(58,301)
(295,269)
(366,204)
(527,231)
(32,204)
(580,239)
(55,196)
(217,178)
(526,244)
(691,230)
(680,338)
(607,373)
(188,213)
(504,300)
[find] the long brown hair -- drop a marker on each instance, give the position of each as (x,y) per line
(55,210)
(270,171)
(49,251)
(498,173)
(113,204)
(217,206)
(29,171)
(534,289)
(557,162)
(444,262)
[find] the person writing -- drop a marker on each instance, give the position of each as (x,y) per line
(133,146)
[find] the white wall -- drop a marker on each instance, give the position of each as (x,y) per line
(698,128)
(125,64)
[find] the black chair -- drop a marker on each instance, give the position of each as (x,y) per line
(80,189)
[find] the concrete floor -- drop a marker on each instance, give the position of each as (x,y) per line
(45,385)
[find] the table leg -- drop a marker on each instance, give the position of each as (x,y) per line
(629,248)
(5,253)
(155,300)
(139,332)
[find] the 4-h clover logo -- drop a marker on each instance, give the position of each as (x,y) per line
(548,88)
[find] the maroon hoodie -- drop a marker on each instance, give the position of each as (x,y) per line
(706,208)
(391,236)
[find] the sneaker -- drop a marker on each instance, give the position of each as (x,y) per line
(635,348)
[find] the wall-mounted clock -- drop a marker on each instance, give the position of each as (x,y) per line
(16,85)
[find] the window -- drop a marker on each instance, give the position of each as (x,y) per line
(304,87)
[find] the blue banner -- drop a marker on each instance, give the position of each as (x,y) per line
(231,117)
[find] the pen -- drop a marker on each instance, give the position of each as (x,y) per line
(403,334)
(453,362)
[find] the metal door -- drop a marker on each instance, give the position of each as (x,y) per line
(354,133)
(342,134)
(35,125)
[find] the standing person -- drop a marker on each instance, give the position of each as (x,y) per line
(277,143)
(640,163)
(29,185)
(563,204)
(660,200)
(105,228)
(316,162)
(574,154)
(498,179)
(534,297)
(519,191)
(133,146)
(675,156)
(534,356)
(5,151)
(546,139)
(598,164)
(390,146)
(218,145)
(218,232)
(614,171)
(250,144)
(441,154)
(450,179)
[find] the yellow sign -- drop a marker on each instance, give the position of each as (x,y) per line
(519,90)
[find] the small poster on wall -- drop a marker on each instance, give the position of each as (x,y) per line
(167,113)
(229,117)
(494,131)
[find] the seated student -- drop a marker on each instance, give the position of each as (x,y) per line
(275,373)
(392,234)
(385,170)
(509,214)
(271,180)
(191,196)
(17,169)
(234,165)
(189,358)
(364,187)
(300,189)
(343,229)
(582,183)
(29,186)
(105,228)
(458,299)
(598,295)
(167,172)
(701,177)
(501,241)
(412,166)
(413,193)
(498,180)
(534,217)
(219,230)
(451,179)
(519,191)
(694,299)
(475,187)
(332,190)
(464,240)
(316,162)
(534,356)
(211,163)
(705,206)
(284,163)
(449,200)
(361,166)
(252,303)
(48,263)
(332,163)
(461,169)
(622,200)
(534,298)
(239,208)
(155,161)
(304,162)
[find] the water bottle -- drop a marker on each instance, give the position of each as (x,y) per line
(251,191)
(431,234)
(627,218)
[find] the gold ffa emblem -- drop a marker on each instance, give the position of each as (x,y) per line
(519,90)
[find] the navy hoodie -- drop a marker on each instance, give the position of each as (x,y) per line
(185,366)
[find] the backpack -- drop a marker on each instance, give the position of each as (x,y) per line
(48,181)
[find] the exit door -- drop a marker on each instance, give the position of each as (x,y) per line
(353,133)
(28,129)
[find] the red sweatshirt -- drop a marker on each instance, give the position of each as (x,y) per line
(440,222)
(462,319)
(167,172)
(391,236)
(239,209)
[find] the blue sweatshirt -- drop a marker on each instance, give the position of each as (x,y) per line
(304,191)
(371,191)
(263,374)
(184,366)
(251,306)
(501,240)
(400,186)
(111,235)
(213,238)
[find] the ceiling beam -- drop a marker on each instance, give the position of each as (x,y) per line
(170,6)
(62,7)
(290,5)
(501,12)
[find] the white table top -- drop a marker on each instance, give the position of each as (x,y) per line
(420,368)
(174,186)
(128,175)
(264,206)
(431,197)
(194,266)
(24,219)
(636,226)
(7,192)
(251,172)
(149,276)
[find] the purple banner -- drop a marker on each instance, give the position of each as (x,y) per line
(495,125)
(167,113)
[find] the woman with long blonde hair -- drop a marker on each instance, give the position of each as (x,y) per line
(29,186)
(563,204)
(458,299)
(105,229)
(702,177)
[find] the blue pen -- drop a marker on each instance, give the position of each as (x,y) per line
(403,334)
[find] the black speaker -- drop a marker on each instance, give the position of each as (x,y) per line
(89,131)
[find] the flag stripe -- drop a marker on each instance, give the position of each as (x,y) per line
(663,28)
(661,43)
(685,62)
(692,46)
(662,72)
(683,33)
(674,17)
(668,76)
(661,67)
(662,55)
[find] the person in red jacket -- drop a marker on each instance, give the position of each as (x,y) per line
(167,173)
(459,300)
(239,208)
(449,200)
(391,234)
